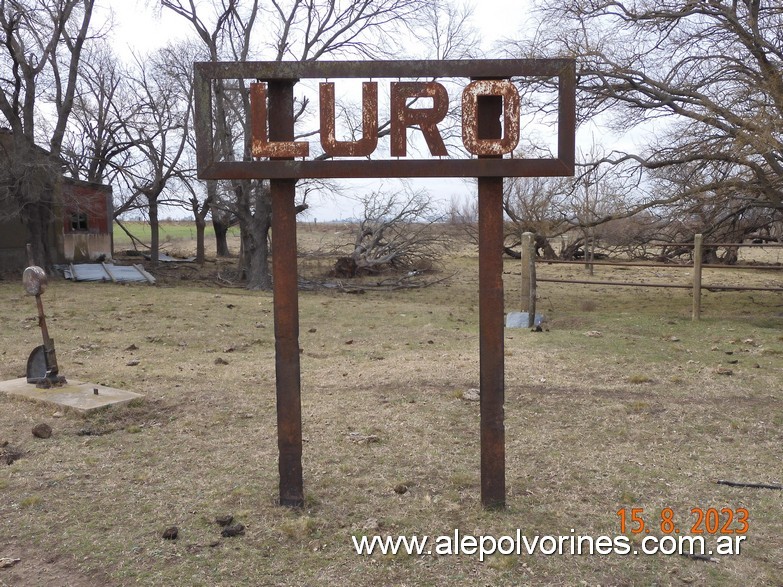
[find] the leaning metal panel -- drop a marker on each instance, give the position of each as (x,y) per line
(492,69)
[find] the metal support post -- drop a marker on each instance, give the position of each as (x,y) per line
(286,305)
(493,440)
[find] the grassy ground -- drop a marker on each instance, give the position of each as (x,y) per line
(624,403)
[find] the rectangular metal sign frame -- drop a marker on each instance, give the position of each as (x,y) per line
(271,71)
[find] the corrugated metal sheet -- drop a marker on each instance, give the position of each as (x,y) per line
(107,272)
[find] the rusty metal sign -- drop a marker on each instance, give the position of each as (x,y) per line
(488,97)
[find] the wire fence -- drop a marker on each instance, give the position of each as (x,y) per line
(696,267)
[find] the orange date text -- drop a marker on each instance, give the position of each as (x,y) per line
(697,521)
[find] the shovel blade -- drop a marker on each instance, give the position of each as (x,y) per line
(36,365)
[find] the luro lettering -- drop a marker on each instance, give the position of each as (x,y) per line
(402,117)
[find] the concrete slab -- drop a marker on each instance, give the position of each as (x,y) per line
(75,395)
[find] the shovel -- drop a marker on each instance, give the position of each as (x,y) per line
(42,366)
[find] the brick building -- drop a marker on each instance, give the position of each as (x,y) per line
(81,225)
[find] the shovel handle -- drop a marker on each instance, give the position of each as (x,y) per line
(51,357)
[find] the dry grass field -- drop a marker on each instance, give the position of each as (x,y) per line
(623,403)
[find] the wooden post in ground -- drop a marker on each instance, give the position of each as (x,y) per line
(697,262)
(529,277)
(589,250)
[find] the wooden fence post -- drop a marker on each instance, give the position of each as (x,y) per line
(528,272)
(589,251)
(697,257)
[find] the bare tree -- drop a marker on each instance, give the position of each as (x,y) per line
(42,43)
(96,147)
(200,208)
(131,128)
(445,30)
(395,232)
(704,77)
(719,213)
(158,128)
(572,209)
(293,30)
(535,205)
(228,37)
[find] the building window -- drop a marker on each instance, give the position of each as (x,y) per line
(79,222)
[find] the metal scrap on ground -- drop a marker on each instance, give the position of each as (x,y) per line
(107,272)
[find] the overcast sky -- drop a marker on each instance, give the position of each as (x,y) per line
(137,25)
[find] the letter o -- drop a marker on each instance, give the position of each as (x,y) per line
(470,135)
(508,549)
(667,545)
(547,550)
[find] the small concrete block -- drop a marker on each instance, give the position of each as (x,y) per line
(75,395)
(519,320)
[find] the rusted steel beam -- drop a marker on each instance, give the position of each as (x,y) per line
(490,199)
(286,306)
(294,70)
(566,116)
(387,168)
(203,121)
